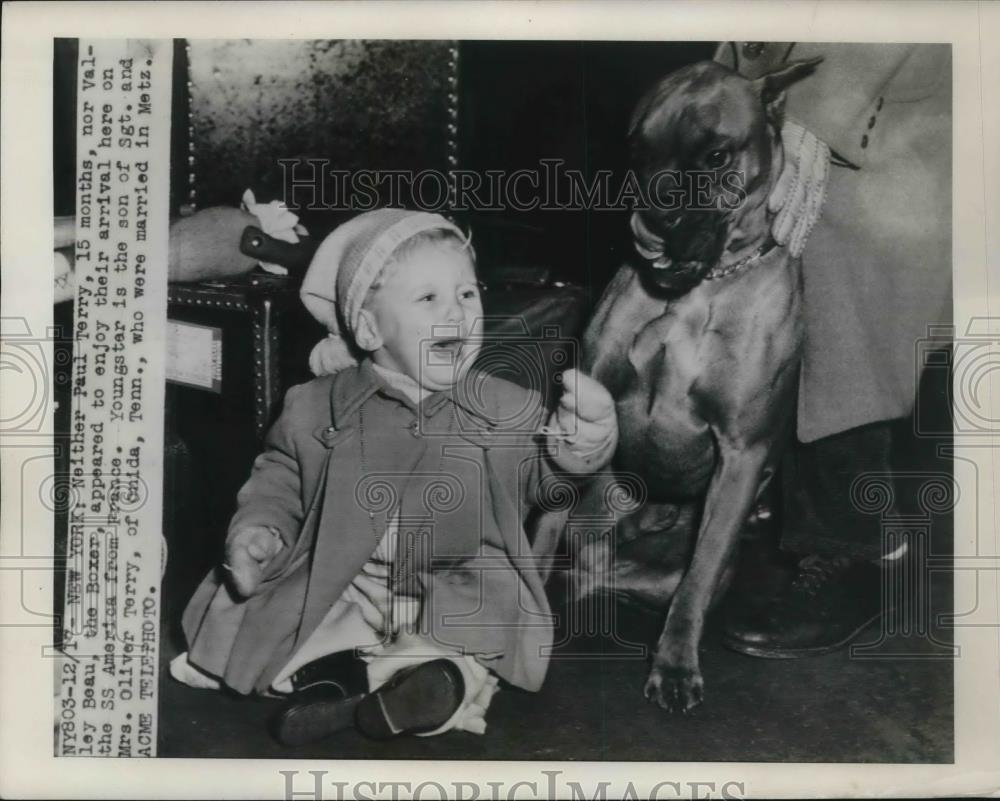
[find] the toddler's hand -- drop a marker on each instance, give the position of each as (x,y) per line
(585,420)
(248,552)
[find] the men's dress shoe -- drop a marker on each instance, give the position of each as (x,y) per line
(828,603)
(326,693)
(415,700)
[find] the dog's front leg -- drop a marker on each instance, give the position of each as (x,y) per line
(675,681)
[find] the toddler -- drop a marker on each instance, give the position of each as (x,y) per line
(377,572)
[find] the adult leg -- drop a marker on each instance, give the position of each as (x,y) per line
(834,592)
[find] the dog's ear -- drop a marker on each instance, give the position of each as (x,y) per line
(771,87)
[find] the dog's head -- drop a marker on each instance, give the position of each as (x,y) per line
(706,148)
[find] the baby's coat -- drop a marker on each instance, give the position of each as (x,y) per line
(481,591)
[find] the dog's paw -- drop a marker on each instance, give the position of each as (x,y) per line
(675,689)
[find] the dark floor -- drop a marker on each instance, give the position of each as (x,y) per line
(832,708)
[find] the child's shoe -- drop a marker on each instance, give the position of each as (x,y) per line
(326,693)
(415,700)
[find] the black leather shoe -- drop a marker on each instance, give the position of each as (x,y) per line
(416,700)
(313,715)
(826,605)
(326,693)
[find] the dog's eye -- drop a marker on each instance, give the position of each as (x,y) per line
(716,159)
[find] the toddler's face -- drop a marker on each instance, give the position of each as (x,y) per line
(425,314)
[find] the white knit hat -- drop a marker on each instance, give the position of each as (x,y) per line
(350,259)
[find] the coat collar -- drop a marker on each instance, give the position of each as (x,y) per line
(355,385)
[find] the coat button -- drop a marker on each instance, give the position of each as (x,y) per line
(871,123)
(878,106)
(864,141)
(415,428)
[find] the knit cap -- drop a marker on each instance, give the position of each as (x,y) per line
(349,260)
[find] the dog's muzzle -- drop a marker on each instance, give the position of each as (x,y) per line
(677,267)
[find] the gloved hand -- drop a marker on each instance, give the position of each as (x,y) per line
(797,197)
(277,222)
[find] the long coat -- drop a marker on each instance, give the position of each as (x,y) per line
(348,450)
(877,267)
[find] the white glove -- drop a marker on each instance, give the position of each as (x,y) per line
(797,197)
(275,221)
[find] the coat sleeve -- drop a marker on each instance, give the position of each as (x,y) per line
(272,496)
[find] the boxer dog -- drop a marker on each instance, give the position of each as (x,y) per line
(698,342)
